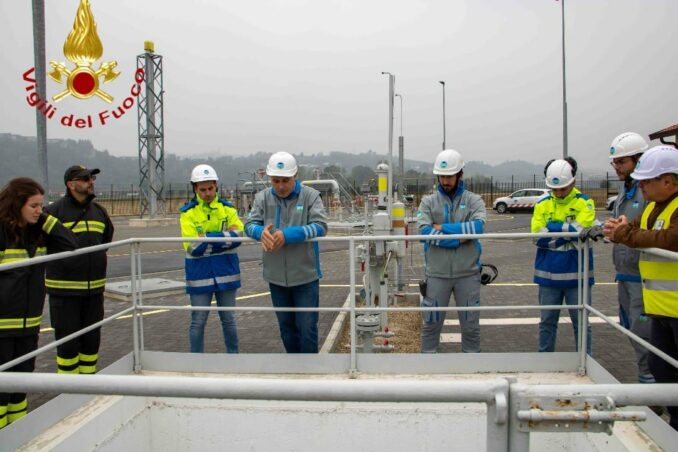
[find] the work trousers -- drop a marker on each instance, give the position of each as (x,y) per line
(298,330)
(466,293)
(196,331)
(13,405)
(70,314)
(664,336)
(632,317)
(548,322)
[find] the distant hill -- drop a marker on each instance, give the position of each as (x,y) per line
(19,157)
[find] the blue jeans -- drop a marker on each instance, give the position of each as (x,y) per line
(548,324)
(298,330)
(196,332)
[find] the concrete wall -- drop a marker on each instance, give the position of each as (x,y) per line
(139,424)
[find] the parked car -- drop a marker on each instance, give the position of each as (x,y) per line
(609,205)
(524,199)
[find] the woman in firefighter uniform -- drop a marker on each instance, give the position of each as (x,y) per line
(657,227)
(25,232)
(565,209)
(212,269)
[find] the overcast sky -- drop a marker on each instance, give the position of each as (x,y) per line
(305,76)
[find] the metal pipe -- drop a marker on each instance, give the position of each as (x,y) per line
(258,389)
(580,317)
(140,318)
(354,366)
(623,395)
(634,337)
(136,352)
(584,314)
(535,415)
(348,309)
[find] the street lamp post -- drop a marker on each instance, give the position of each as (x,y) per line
(562,10)
(391,91)
(401,143)
(444,137)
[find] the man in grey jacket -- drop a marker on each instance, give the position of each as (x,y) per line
(283,218)
(452,266)
(625,152)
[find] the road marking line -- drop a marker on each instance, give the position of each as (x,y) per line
(524,321)
(455,338)
(160,311)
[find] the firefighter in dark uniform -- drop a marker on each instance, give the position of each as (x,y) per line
(25,232)
(76,285)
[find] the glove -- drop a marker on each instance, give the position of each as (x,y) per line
(594,233)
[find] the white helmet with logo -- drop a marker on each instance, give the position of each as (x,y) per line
(281,164)
(627,144)
(202,173)
(448,163)
(655,162)
(559,174)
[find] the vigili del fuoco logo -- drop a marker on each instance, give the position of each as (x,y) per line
(83,48)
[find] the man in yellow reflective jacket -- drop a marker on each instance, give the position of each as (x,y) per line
(657,227)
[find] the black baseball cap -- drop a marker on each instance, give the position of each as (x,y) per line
(79,172)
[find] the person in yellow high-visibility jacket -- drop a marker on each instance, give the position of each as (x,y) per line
(212,269)
(657,227)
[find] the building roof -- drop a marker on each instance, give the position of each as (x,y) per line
(668,132)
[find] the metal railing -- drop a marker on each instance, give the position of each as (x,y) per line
(509,422)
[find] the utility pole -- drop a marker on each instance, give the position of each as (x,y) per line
(391,92)
(39,58)
(444,137)
(562,9)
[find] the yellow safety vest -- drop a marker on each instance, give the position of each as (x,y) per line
(659,274)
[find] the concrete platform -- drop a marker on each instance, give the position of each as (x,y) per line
(150,288)
(152,222)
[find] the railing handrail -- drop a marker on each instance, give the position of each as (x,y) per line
(362,238)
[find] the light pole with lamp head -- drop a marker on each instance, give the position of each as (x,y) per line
(391,91)
(443,83)
(562,14)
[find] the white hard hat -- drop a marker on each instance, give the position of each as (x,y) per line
(448,163)
(627,144)
(281,164)
(559,174)
(202,173)
(655,162)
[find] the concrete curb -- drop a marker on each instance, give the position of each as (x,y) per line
(333,336)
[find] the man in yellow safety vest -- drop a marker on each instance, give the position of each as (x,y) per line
(657,227)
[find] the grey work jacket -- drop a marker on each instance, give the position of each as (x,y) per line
(298,263)
(440,208)
(631,204)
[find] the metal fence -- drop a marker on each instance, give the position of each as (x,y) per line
(124,199)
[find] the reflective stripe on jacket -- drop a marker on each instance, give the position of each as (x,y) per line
(85,274)
(22,290)
(659,274)
(555,264)
(213,266)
